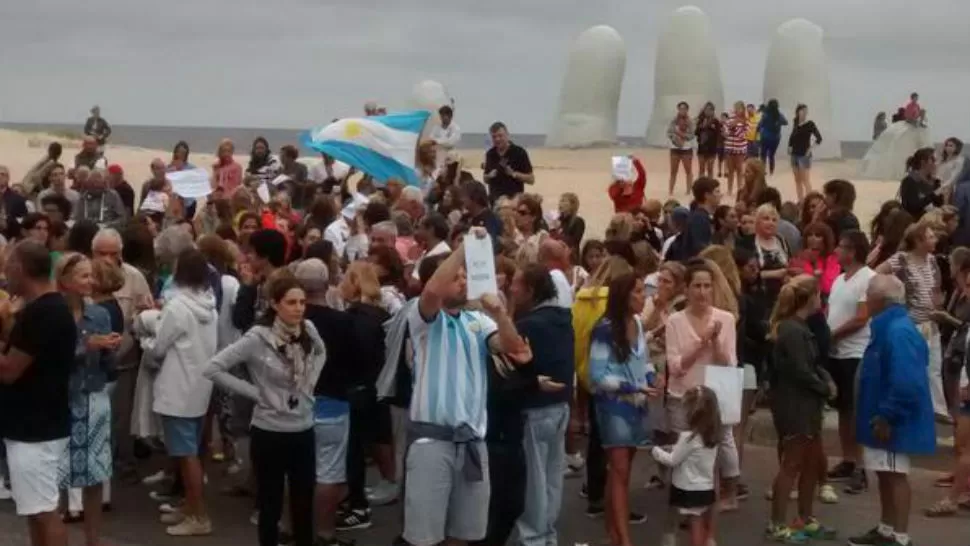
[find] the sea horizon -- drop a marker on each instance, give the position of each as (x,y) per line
(204,139)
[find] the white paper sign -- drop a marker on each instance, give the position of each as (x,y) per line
(190,184)
(263,192)
(622,168)
(155,201)
(728,383)
(480,266)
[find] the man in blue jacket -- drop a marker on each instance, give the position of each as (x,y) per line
(894,413)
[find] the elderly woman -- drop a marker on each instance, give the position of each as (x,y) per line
(916,267)
(772,250)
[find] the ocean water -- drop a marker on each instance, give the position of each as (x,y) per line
(206,139)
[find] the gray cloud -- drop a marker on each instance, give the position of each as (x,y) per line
(295,63)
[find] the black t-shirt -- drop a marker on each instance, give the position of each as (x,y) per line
(35,407)
(504,185)
(337,331)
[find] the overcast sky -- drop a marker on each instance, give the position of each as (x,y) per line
(299,63)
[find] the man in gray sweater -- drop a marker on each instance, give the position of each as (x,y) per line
(100,204)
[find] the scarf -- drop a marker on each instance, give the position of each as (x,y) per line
(286,340)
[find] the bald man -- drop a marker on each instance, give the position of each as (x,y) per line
(894,412)
(554,254)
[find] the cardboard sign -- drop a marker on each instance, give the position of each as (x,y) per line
(480,266)
(623,168)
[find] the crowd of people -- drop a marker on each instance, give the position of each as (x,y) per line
(328,323)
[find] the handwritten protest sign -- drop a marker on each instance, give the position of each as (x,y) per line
(480,266)
(622,168)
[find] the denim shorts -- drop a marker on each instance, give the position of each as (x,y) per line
(622,426)
(182,435)
(331,430)
(801,161)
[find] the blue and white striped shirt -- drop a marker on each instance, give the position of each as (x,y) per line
(450,359)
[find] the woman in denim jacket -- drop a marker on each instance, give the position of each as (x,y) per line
(90,463)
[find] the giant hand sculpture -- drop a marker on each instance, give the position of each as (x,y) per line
(590,92)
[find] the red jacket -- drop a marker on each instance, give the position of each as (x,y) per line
(633,200)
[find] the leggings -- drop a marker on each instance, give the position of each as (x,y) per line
(279,458)
(768,150)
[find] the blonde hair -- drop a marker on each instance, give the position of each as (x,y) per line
(724,258)
(612,267)
(66,264)
(724,298)
(793,296)
(766,209)
(362,279)
(572,199)
(915,233)
(620,228)
(108,277)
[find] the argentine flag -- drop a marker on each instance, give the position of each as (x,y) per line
(383,147)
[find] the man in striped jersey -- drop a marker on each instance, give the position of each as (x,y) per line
(447,487)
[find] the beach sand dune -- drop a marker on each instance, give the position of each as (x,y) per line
(585,172)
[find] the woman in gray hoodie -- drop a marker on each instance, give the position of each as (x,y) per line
(284,355)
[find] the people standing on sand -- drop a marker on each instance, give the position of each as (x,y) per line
(58,186)
(117,182)
(735,145)
(262,164)
(708,132)
(894,415)
(879,125)
(507,165)
(680,133)
(921,189)
(628,195)
(33,181)
(447,135)
(769,127)
(800,150)
(90,155)
(753,135)
(226,173)
(97,127)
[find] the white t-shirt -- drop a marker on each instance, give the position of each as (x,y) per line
(564,292)
(318,172)
(692,462)
(844,299)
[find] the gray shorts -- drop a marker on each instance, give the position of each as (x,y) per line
(438,502)
(331,435)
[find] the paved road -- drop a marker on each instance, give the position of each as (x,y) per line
(133,523)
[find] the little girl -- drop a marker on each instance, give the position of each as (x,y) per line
(692,460)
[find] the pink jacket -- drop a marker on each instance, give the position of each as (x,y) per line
(682,339)
(829,269)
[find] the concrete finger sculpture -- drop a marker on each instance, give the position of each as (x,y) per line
(797,72)
(686,69)
(886,158)
(430,95)
(590,94)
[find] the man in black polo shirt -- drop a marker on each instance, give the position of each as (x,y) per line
(707,197)
(507,166)
(34,411)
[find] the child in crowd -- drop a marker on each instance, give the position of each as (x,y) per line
(692,459)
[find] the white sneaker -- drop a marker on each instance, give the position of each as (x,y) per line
(156,478)
(575,462)
(383,493)
(5,494)
(827,494)
(191,527)
(172,518)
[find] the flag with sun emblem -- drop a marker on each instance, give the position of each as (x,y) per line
(383,147)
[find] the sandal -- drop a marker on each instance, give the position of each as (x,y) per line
(941,509)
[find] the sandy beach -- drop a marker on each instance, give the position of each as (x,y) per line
(585,172)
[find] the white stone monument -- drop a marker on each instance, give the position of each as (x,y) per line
(430,95)
(797,72)
(886,158)
(590,94)
(686,69)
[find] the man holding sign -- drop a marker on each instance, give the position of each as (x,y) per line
(446,459)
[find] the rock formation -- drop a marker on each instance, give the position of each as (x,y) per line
(590,94)
(686,69)
(886,158)
(797,72)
